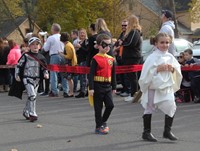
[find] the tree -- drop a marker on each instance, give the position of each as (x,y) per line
(9,12)
(10,8)
(71,14)
(195,11)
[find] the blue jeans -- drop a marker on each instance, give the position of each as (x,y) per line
(57,60)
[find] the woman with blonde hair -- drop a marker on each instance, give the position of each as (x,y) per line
(101,28)
(131,54)
(82,53)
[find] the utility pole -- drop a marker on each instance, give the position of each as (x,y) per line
(173,9)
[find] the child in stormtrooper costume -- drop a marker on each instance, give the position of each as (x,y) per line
(32,67)
(160,79)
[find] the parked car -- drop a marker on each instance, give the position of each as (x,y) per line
(180,45)
(196,49)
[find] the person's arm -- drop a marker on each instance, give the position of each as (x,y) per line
(47,44)
(69,52)
(113,77)
(197,61)
(11,58)
(44,68)
(92,74)
(19,67)
(132,39)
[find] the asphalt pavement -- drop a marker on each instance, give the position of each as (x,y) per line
(67,124)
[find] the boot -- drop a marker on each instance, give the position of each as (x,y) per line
(167,130)
(7,88)
(1,88)
(146,135)
(80,95)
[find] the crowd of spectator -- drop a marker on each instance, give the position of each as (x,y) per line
(77,48)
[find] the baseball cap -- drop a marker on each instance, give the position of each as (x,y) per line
(167,13)
(31,40)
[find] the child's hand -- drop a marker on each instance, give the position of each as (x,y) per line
(18,78)
(170,68)
(46,76)
(186,65)
(162,67)
(91,92)
(113,91)
(191,65)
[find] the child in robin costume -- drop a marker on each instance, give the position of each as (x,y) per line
(102,83)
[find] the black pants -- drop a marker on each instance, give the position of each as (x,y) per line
(195,82)
(102,94)
(132,78)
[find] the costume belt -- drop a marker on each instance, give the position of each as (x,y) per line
(102,79)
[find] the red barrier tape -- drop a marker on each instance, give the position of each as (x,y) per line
(85,70)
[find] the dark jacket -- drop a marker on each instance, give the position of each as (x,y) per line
(82,52)
(91,50)
(193,74)
(132,45)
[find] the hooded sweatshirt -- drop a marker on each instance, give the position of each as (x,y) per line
(168,28)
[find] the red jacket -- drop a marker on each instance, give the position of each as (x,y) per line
(13,56)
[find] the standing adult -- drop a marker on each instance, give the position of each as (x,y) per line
(55,46)
(70,56)
(117,50)
(4,73)
(131,54)
(102,28)
(92,51)
(168,28)
(13,56)
(81,57)
(75,39)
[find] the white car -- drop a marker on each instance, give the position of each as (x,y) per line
(196,49)
(180,45)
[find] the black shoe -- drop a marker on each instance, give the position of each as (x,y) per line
(33,118)
(80,95)
(51,94)
(169,135)
(44,94)
(148,137)
(67,95)
(86,94)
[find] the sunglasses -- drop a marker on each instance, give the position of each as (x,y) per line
(124,25)
(104,44)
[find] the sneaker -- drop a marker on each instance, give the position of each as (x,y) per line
(118,93)
(101,130)
(106,128)
(51,94)
(44,94)
(124,94)
(33,118)
(196,100)
(128,99)
(40,93)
